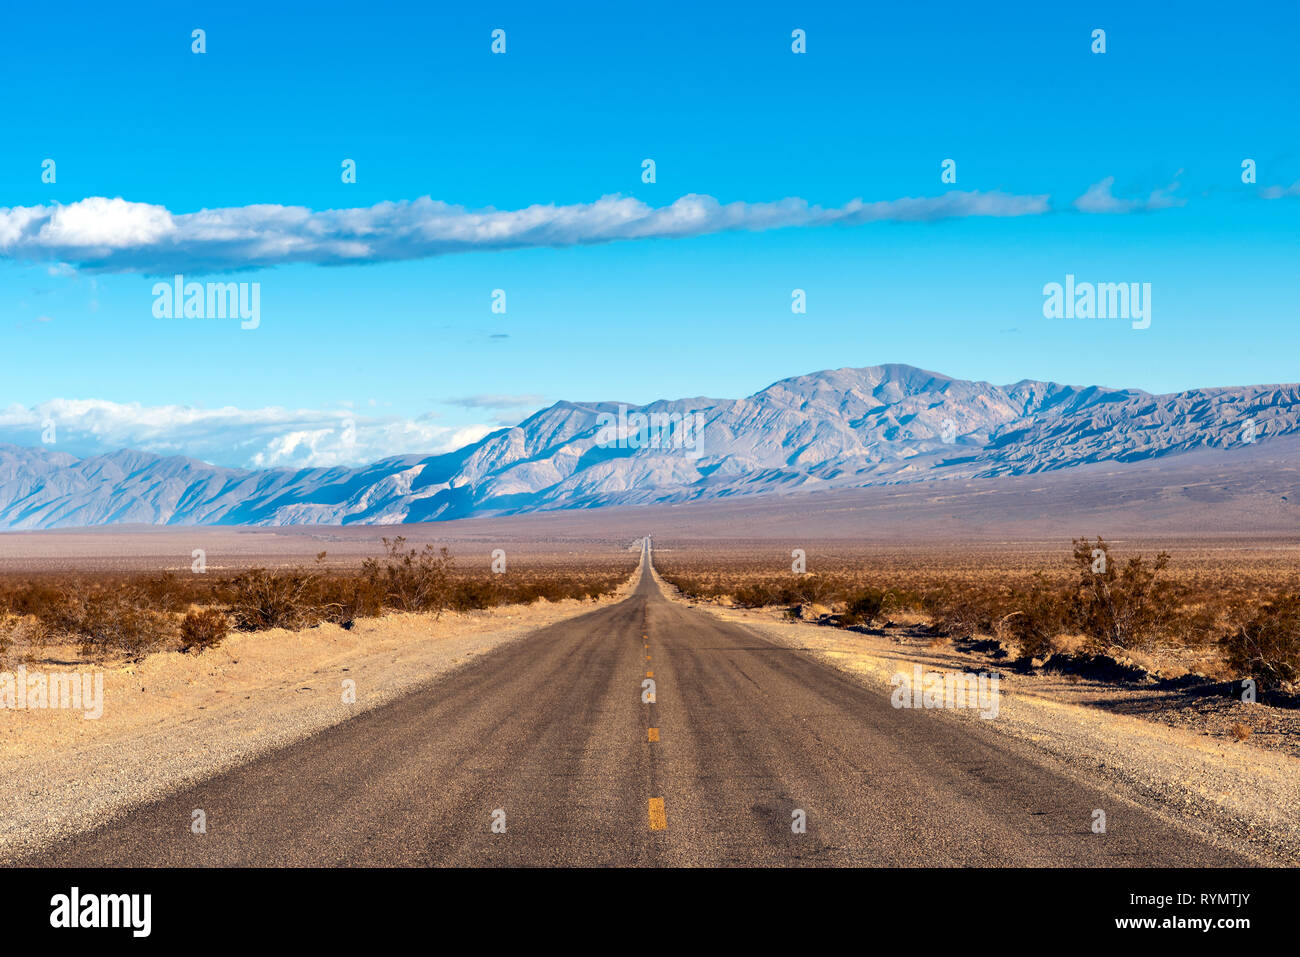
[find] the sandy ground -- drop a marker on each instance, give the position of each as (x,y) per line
(174,719)
(1230,790)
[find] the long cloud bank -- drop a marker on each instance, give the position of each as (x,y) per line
(116,235)
(245,438)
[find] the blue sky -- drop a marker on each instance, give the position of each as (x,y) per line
(408,350)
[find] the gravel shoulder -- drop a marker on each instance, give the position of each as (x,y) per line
(1233,792)
(175,719)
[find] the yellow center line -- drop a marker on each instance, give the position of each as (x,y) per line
(654,734)
(649,674)
(658,820)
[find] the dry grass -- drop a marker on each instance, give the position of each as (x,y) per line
(110,614)
(1221,611)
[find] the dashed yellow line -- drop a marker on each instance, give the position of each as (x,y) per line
(649,674)
(658,819)
(654,734)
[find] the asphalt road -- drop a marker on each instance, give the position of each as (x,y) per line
(551,732)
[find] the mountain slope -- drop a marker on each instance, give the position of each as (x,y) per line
(836,429)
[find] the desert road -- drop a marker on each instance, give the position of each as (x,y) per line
(549,738)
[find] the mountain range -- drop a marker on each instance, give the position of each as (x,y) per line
(843,428)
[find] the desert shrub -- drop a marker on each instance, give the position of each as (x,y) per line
(16,630)
(865,606)
(757,595)
(8,625)
(813,590)
(1042,612)
(204,628)
(1129,605)
(344,599)
(107,620)
(786,590)
(112,612)
(261,598)
(684,584)
(32,598)
(688,585)
(527,592)
(166,592)
(1267,648)
(476,593)
(411,580)
(1181,611)
(550,590)
(959,612)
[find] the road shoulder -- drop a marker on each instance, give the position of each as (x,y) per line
(1218,788)
(175,719)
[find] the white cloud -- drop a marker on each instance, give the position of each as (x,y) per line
(1277,192)
(250,438)
(1098,198)
(99,223)
(120,236)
